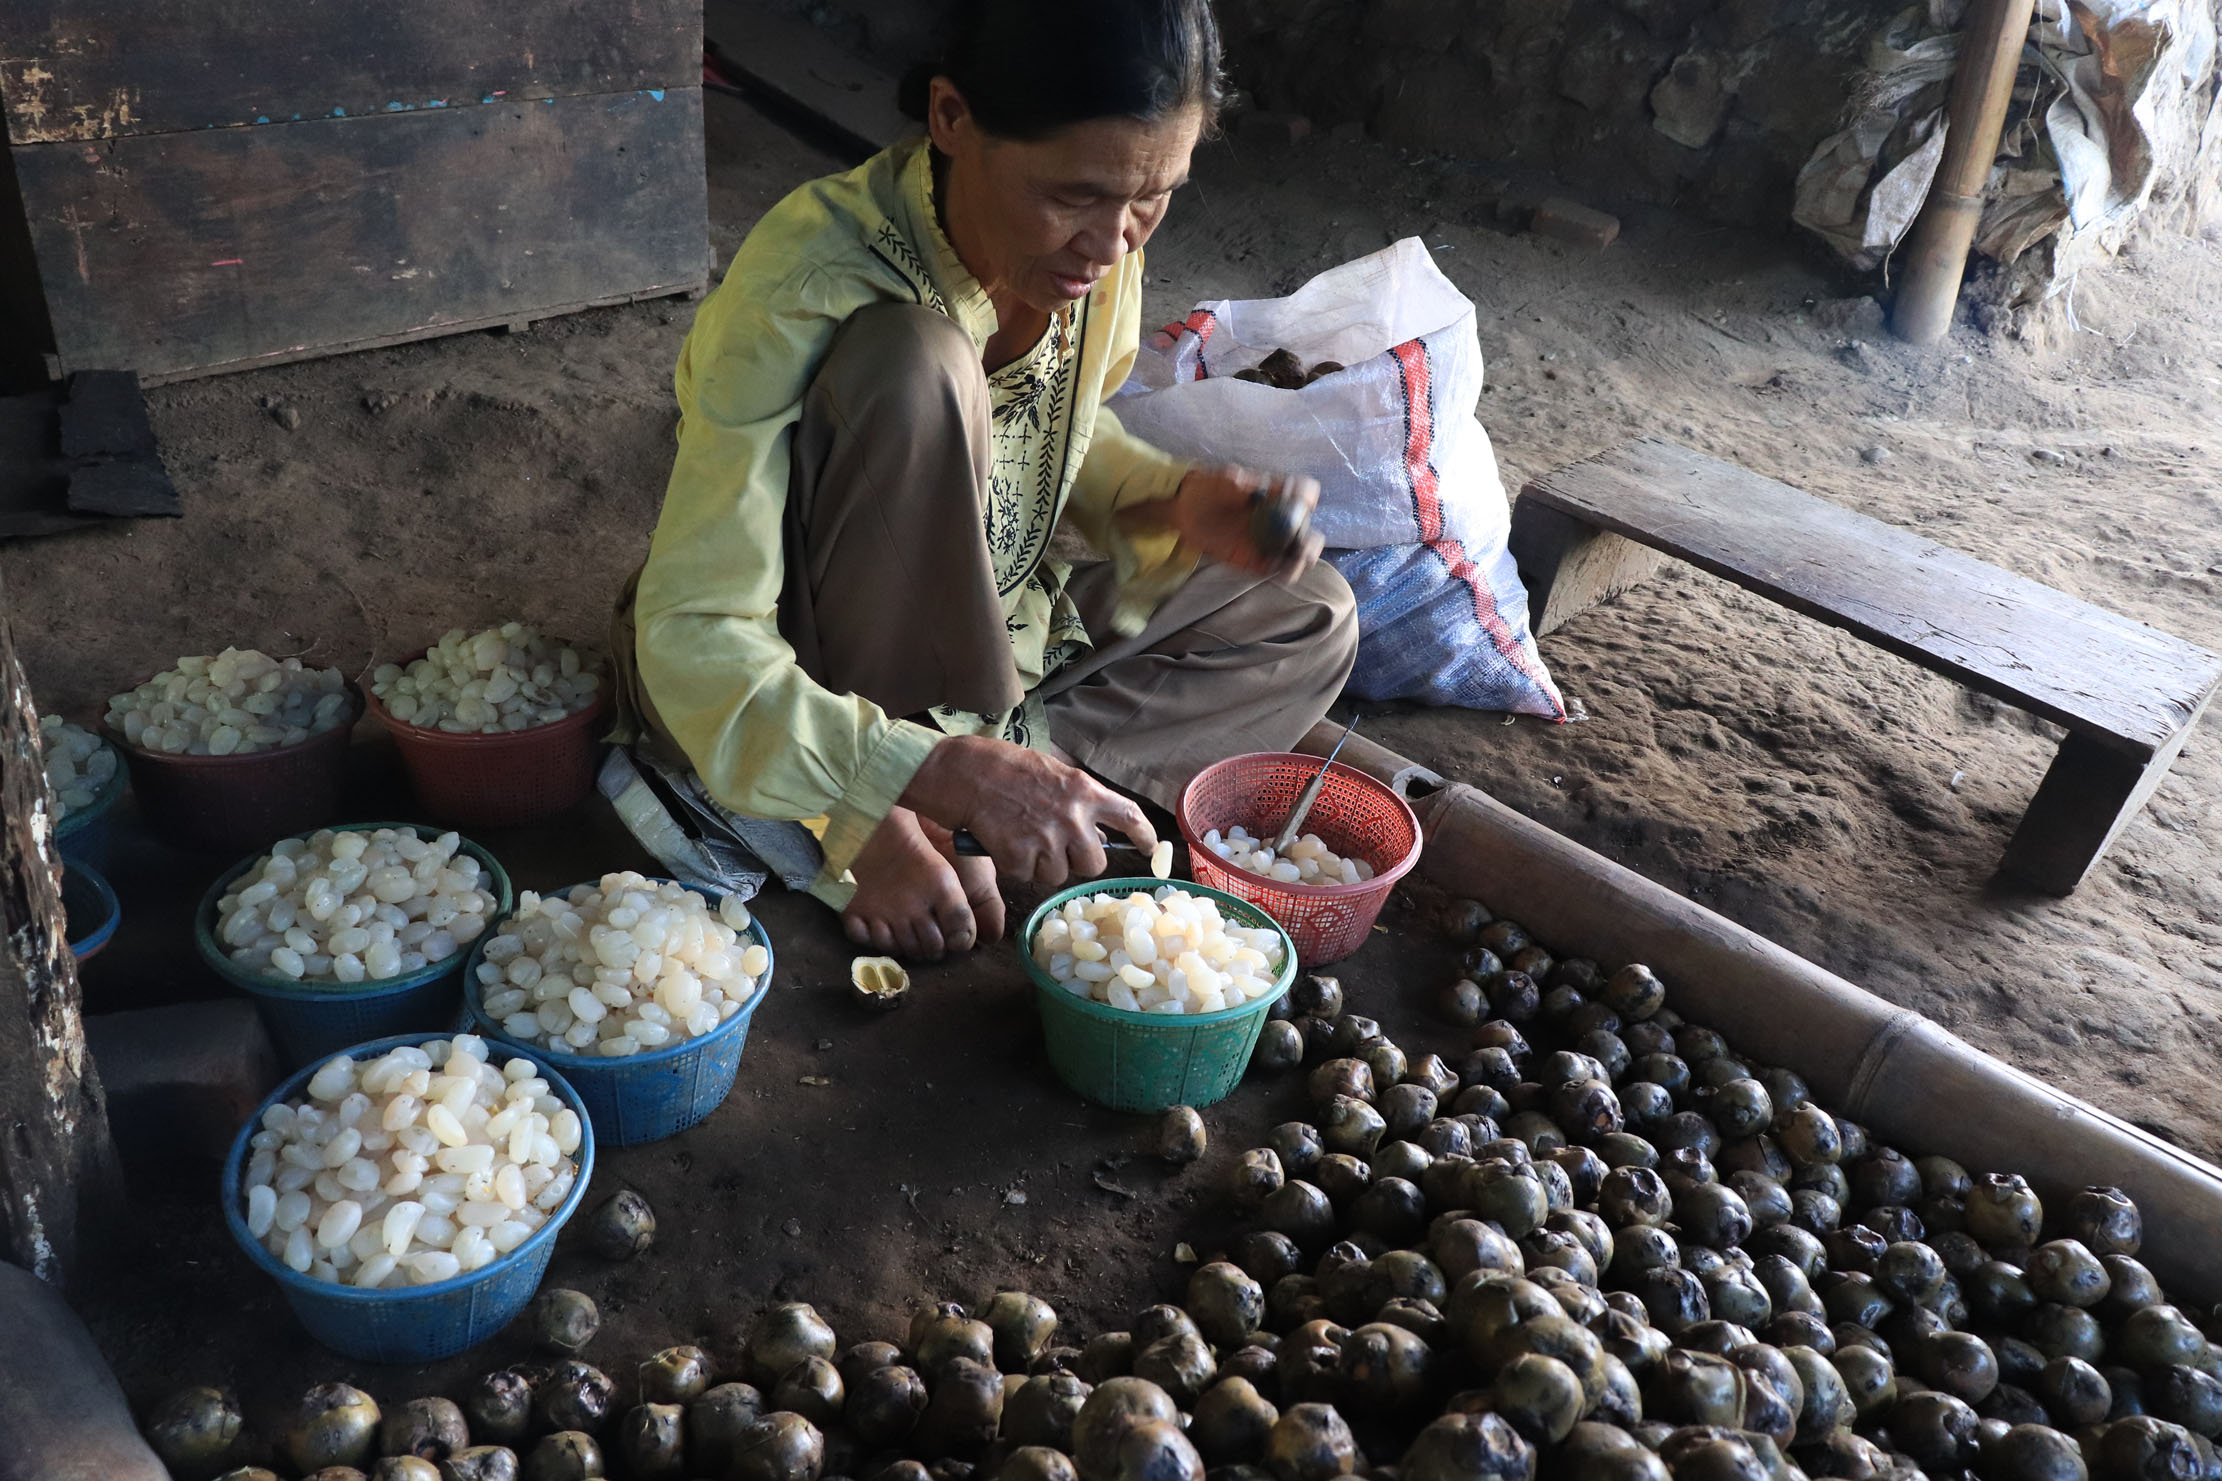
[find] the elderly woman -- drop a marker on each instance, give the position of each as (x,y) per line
(849,615)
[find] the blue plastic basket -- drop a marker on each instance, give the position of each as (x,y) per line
(409,1324)
(83,835)
(90,909)
(648,1096)
(310,1024)
(1150,1061)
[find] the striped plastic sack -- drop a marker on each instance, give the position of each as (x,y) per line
(1410,503)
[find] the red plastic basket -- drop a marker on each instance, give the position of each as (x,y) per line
(1355,816)
(502,780)
(230,804)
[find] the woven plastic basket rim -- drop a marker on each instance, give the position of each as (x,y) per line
(115,738)
(407,732)
(1250,915)
(492,1030)
(111,909)
(1382,878)
(93,811)
(235,1167)
(204,934)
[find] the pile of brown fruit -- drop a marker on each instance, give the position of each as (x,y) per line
(1284,371)
(1598,1246)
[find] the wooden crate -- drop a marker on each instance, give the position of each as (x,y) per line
(220,184)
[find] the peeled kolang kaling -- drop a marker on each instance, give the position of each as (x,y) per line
(1308,860)
(503,679)
(78,764)
(355,906)
(420,1165)
(237,702)
(619,967)
(1163,952)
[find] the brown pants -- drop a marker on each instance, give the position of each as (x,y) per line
(890,593)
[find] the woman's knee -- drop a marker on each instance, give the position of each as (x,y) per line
(1333,611)
(901,359)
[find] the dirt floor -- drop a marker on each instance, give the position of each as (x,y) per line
(1831,797)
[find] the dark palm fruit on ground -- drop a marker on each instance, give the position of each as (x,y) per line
(1041,1410)
(1388,1062)
(334,1424)
(194,1431)
(1310,1442)
(651,1443)
(2106,1221)
(1620,1253)
(482,1463)
(1463,920)
(1513,996)
(719,1421)
(404,1468)
(622,1226)
(812,1389)
(498,1406)
(2064,1270)
(1180,1136)
(677,1375)
(1319,1037)
(1317,994)
(1280,1046)
(430,1429)
(567,1455)
(1114,1407)
(779,1447)
(1352,1033)
(573,1396)
(563,1320)
(1462,1002)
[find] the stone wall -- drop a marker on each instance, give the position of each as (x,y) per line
(1710,105)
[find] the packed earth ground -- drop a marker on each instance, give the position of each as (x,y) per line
(1830,796)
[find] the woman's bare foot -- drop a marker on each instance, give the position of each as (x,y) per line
(910,900)
(983,894)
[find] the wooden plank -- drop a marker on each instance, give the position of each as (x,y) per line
(2089,794)
(2121,683)
(77,69)
(58,1171)
(177,253)
(803,68)
(1569,567)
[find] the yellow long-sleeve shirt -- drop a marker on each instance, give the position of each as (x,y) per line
(765,738)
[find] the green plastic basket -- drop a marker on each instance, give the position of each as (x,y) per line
(1150,1061)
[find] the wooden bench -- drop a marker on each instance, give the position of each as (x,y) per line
(2128,694)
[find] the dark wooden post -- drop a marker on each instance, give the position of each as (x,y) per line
(57,1165)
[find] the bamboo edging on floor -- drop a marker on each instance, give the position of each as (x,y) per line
(1914,1084)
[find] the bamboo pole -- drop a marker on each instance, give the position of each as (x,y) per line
(1982,89)
(1916,1085)
(58,1168)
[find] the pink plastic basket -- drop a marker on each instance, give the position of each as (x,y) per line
(1355,816)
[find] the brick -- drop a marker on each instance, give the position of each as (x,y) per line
(62,1414)
(1577,225)
(180,1080)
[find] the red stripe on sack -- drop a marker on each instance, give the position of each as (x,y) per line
(1417,372)
(1202,323)
(1419,436)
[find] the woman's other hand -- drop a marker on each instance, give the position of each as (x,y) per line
(1214,508)
(1037,817)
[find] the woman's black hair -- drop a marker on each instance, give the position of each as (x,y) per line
(1028,68)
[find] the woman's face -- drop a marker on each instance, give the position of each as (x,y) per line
(1042,221)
